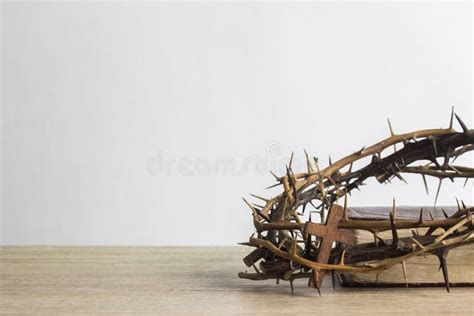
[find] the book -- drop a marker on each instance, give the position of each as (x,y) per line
(421,270)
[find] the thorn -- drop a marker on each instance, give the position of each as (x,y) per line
(273,185)
(426,184)
(291,285)
(420,220)
(259,197)
(464,127)
(308,162)
(444,213)
(276,177)
(344,211)
(292,236)
(399,176)
(291,159)
(433,141)
(390,127)
(246,243)
(405,273)
(375,157)
(258,206)
(321,182)
(444,267)
(414,233)
(463,205)
(314,279)
(330,161)
(350,167)
(341,261)
(394,231)
(394,209)
(255,211)
(452,118)
(465,182)
(250,205)
(431,216)
(459,206)
(446,158)
(315,160)
(361,151)
(437,191)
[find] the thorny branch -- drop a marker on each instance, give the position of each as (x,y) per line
(286,252)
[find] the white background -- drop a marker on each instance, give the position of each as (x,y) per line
(98,99)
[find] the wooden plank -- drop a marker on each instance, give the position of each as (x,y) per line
(193,280)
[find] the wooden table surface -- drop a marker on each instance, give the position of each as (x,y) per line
(186,280)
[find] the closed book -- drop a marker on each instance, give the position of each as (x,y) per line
(420,270)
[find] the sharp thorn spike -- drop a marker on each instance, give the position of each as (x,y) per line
(341,261)
(433,142)
(438,190)
(272,186)
(405,273)
(452,118)
(426,184)
(394,231)
(390,127)
(276,177)
(399,176)
(394,209)
(377,277)
(246,202)
(463,125)
(431,216)
(444,267)
(309,166)
(259,197)
(345,216)
(420,220)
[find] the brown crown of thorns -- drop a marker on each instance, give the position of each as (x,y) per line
(288,248)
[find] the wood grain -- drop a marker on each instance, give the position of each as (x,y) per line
(186,280)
